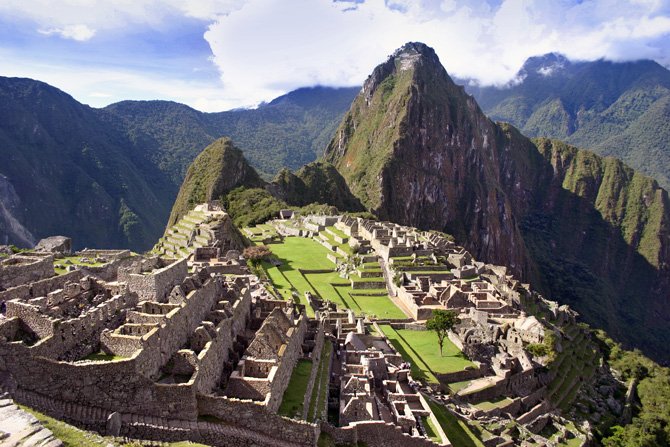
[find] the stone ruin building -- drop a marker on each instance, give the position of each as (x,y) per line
(431,272)
(374,386)
(170,349)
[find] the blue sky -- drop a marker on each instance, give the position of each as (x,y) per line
(220,54)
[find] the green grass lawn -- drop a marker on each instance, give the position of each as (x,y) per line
(487,405)
(421,349)
(103,356)
(296,253)
(431,431)
(291,404)
(303,253)
(456,430)
(380,306)
(331,240)
(300,252)
(338,232)
(455,387)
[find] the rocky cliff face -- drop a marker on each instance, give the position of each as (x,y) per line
(315,182)
(416,149)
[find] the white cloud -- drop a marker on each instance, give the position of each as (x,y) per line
(269,46)
(76,32)
(264,48)
(62,16)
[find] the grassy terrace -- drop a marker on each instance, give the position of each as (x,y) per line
(337,232)
(488,405)
(303,253)
(431,431)
(456,430)
(291,404)
(420,348)
(74,260)
(329,237)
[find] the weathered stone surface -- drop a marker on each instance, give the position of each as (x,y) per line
(114,424)
(60,244)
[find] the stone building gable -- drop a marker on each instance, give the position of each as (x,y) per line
(270,337)
(357,408)
(355,385)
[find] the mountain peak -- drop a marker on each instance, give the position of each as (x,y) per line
(410,56)
(545,65)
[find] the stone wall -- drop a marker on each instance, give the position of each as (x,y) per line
(469,373)
(287,362)
(40,288)
(178,325)
(156,285)
(254,415)
(326,221)
(374,434)
(109,271)
(110,385)
(215,353)
(121,385)
(109,254)
(32,317)
(20,269)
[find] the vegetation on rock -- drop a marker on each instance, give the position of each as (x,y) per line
(617,109)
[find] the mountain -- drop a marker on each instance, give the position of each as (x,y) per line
(615,109)
(287,132)
(221,172)
(108,177)
(587,231)
(315,182)
(218,169)
(64,171)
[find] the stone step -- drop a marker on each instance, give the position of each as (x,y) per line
(186,224)
(203,240)
(193,220)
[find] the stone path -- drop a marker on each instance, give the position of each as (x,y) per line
(18,427)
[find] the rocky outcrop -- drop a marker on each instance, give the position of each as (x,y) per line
(315,182)
(60,244)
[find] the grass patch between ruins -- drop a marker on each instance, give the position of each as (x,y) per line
(102,356)
(291,404)
(421,349)
(497,402)
(320,392)
(456,430)
(431,431)
(303,253)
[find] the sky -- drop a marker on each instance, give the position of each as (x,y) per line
(216,55)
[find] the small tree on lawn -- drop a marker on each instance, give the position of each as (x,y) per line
(442,322)
(256,254)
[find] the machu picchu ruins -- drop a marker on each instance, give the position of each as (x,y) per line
(186,343)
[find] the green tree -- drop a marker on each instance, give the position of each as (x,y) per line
(442,322)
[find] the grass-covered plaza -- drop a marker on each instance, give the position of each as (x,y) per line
(296,253)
